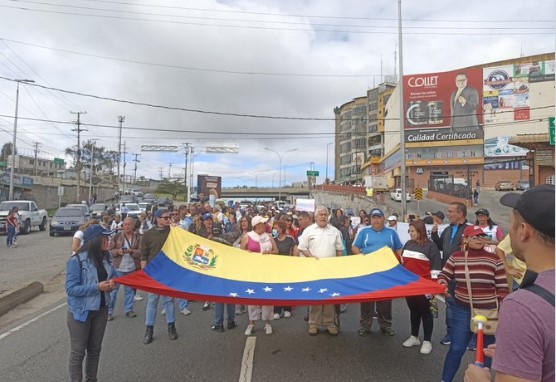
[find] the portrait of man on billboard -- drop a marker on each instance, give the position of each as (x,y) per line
(463,104)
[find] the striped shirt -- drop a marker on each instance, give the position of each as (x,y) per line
(487,275)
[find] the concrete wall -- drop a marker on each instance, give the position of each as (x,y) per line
(356,202)
(46,195)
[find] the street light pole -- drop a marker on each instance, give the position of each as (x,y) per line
(280,156)
(11,191)
(326,177)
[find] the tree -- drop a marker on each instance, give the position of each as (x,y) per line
(6,151)
(104,160)
(172,187)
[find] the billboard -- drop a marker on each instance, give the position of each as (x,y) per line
(500,147)
(506,89)
(209,186)
(445,106)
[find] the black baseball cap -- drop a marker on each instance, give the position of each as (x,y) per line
(536,207)
(438,214)
(482,211)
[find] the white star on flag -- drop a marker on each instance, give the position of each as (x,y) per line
(233,294)
(322,290)
(267,289)
(306,289)
(288,289)
(250,291)
(335,294)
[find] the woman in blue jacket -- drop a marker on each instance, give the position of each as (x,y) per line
(88,283)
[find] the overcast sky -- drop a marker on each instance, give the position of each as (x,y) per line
(293,61)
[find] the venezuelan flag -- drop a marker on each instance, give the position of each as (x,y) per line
(191,267)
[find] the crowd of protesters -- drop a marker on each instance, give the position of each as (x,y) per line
(473,261)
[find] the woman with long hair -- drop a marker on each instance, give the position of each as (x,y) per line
(422,257)
(88,285)
(489,227)
(77,241)
(481,281)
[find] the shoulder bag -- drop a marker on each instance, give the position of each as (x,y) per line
(489,327)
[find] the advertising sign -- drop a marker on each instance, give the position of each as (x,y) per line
(499,147)
(506,88)
(209,186)
(443,106)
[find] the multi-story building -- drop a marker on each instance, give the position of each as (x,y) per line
(31,165)
(500,102)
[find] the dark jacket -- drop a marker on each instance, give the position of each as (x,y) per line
(446,244)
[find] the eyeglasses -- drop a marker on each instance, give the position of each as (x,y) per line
(477,237)
(164,217)
(174,214)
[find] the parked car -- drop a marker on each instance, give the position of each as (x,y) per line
(149,198)
(133,209)
(522,185)
(128,199)
(84,207)
(504,185)
(67,220)
(143,206)
(97,210)
(397,195)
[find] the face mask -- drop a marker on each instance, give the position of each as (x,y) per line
(274,233)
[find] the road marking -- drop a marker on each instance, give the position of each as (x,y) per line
(247,361)
(16,329)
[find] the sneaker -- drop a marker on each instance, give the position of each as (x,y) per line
(172,333)
(249,330)
(446,340)
(14,244)
(287,314)
(268,329)
(313,330)
(426,348)
(137,297)
(186,312)
(239,311)
(411,341)
(364,332)
(276,316)
(163,311)
(231,324)
(217,328)
(206,305)
(110,318)
(332,330)
(131,314)
(387,331)
(472,345)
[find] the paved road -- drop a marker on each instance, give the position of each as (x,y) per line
(39,351)
(38,257)
(487,199)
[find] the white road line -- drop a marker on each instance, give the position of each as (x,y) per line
(247,361)
(16,329)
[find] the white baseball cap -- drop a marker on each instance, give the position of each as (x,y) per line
(392,217)
(258,220)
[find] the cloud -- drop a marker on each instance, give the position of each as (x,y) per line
(316,63)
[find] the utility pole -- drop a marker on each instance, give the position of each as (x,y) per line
(92,141)
(135,170)
(78,165)
(169,171)
(160,169)
(36,144)
(185,182)
(121,119)
(125,153)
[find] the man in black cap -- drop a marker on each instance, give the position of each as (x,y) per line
(524,349)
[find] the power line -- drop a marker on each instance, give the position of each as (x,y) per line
(455,33)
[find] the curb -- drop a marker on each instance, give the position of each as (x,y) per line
(19,296)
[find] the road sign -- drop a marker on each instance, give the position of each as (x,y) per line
(312,173)
(551,130)
(418,194)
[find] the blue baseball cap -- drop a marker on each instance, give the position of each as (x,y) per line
(158,213)
(95,230)
(207,215)
(376,212)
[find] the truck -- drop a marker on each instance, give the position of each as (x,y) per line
(396,195)
(29,215)
(376,182)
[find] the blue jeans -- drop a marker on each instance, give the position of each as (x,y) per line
(128,295)
(461,334)
(219,313)
(152,306)
(11,234)
(182,304)
(450,302)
